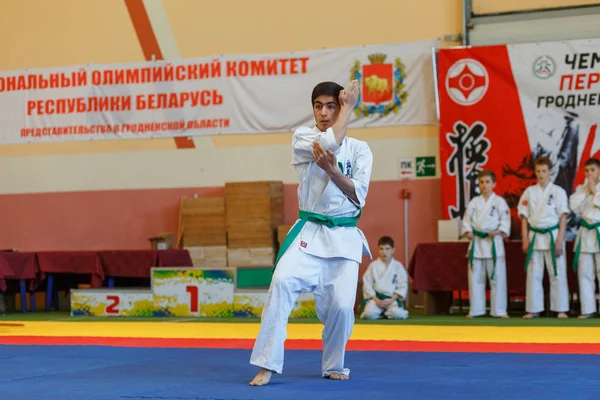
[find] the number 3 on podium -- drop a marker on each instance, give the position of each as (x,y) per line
(193,291)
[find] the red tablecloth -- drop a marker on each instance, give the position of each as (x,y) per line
(174,258)
(17,266)
(122,263)
(72,262)
(128,263)
(138,263)
(443,267)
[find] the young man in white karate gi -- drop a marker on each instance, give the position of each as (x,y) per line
(543,209)
(385,285)
(585,203)
(323,249)
(486,223)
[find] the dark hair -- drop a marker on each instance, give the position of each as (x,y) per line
(592,161)
(544,161)
(386,240)
(489,173)
(328,89)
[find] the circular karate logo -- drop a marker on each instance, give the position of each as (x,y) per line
(544,67)
(467,81)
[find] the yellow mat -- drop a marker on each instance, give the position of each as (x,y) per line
(482,334)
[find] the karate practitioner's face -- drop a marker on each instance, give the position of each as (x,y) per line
(326,110)
(386,252)
(592,173)
(542,173)
(486,185)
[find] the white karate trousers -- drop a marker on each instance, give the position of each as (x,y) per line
(478,275)
(393,311)
(559,289)
(333,282)
(587,271)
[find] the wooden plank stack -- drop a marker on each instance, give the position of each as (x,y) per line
(208,256)
(202,230)
(254,211)
(260,256)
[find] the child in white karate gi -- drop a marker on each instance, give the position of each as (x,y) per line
(543,209)
(486,223)
(585,203)
(385,285)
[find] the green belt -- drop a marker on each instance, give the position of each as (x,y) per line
(380,296)
(482,235)
(320,219)
(542,231)
(585,225)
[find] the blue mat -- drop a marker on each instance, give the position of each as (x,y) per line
(99,373)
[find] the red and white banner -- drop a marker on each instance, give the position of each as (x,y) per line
(501,107)
(208,96)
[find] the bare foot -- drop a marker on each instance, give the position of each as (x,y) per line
(468,316)
(531,315)
(562,315)
(338,377)
(262,378)
(505,316)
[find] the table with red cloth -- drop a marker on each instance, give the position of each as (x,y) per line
(440,268)
(37,266)
(128,264)
(174,258)
(137,263)
(72,262)
(22,267)
(17,266)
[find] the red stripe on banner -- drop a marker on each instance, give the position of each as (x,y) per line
(311,344)
(150,47)
(480,114)
(587,153)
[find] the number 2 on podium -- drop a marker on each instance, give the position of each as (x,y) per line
(112,308)
(193,291)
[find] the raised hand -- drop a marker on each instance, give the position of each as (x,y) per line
(349,97)
(324,159)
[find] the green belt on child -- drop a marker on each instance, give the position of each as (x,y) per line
(542,231)
(380,296)
(482,235)
(588,226)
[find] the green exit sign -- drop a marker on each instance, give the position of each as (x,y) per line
(425,166)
